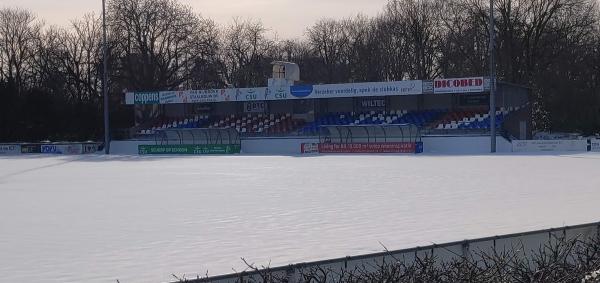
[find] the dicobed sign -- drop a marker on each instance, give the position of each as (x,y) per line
(459,85)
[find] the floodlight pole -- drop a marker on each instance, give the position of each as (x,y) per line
(105,81)
(492,81)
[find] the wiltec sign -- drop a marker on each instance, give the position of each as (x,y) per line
(461,85)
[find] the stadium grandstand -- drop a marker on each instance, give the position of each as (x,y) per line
(457,106)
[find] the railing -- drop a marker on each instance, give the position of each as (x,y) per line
(197,136)
(369,133)
(529,242)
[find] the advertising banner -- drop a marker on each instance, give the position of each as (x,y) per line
(357,89)
(595,145)
(309,148)
(130,98)
(10,149)
(62,148)
(549,145)
(459,85)
(210,95)
(368,104)
(419,147)
(172,97)
(427,87)
(278,93)
(31,148)
(146,98)
(188,149)
(397,147)
(89,148)
(250,94)
(416,87)
(255,107)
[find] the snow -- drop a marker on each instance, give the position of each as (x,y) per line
(141,219)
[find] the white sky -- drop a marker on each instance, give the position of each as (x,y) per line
(289,18)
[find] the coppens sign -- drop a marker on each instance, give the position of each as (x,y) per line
(459,85)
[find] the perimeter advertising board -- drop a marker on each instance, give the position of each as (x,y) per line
(64,148)
(188,149)
(549,145)
(459,85)
(31,148)
(74,149)
(89,148)
(397,147)
(10,149)
(309,148)
(595,145)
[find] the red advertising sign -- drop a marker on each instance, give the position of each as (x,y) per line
(396,147)
(461,85)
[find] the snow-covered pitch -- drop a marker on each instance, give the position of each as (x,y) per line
(141,219)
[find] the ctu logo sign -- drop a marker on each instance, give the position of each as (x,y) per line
(456,83)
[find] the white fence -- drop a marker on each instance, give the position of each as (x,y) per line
(528,241)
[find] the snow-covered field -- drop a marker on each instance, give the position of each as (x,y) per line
(140,219)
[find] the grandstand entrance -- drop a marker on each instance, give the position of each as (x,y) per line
(392,138)
(193,142)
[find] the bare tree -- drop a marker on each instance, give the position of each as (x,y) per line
(422,34)
(157,42)
(465,36)
(391,33)
(329,41)
(247,53)
(80,57)
(19,32)
(47,71)
(365,52)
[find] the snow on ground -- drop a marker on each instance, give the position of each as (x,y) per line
(140,219)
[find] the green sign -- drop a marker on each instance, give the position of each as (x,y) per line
(189,149)
(146,98)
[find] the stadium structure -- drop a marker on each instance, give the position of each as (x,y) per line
(218,201)
(365,117)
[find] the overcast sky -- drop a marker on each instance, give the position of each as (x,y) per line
(289,18)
